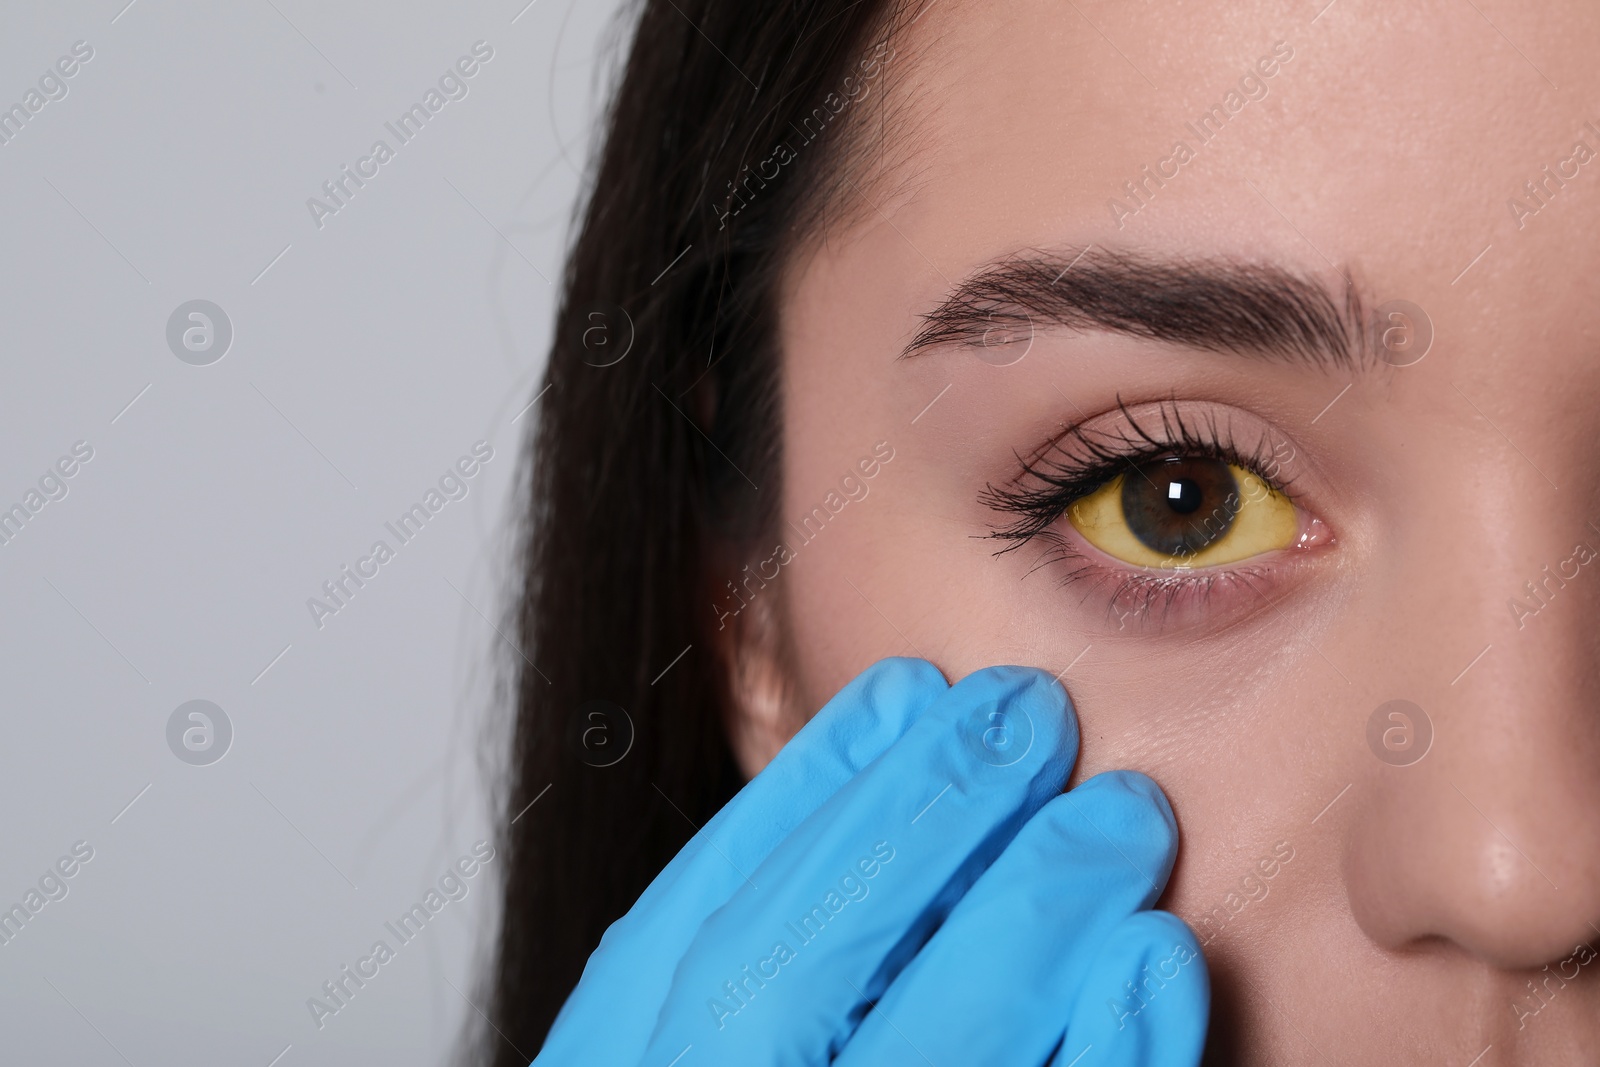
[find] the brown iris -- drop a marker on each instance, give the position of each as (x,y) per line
(1178,506)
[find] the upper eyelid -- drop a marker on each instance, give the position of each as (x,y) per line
(1223,441)
(1142,444)
(1030,502)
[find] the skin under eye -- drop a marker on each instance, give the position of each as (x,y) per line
(1182,513)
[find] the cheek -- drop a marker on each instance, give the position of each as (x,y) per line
(839,400)
(853,595)
(904,571)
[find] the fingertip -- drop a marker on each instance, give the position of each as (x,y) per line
(1134,794)
(891,693)
(1158,928)
(873,711)
(1130,807)
(1159,943)
(1146,999)
(907,672)
(1031,696)
(1154,935)
(1165,942)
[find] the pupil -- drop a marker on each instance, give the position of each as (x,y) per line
(1183,495)
(1180,505)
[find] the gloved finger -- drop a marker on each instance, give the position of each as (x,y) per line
(1145,1001)
(784,972)
(993,985)
(634,963)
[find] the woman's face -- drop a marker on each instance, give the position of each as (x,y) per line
(1224,165)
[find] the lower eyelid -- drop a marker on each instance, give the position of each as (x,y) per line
(1141,601)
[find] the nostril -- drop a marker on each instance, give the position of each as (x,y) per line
(1445,857)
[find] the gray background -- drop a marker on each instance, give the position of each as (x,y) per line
(366,359)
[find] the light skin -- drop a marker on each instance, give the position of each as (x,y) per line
(1420,900)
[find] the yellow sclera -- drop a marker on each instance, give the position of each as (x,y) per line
(1265,520)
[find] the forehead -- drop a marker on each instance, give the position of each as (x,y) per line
(1395,143)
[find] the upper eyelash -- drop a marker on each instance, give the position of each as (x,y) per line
(1055,478)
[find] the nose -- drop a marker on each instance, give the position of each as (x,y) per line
(1491,840)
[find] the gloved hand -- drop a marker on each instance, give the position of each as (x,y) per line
(905,883)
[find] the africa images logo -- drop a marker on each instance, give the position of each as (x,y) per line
(452,85)
(452,886)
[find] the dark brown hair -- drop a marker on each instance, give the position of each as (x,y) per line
(724,146)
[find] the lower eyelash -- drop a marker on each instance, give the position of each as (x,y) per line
(1140,598)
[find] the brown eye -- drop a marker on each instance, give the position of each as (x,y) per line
(1179,506)
(1184,512)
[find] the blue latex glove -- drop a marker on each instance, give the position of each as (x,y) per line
(905,883)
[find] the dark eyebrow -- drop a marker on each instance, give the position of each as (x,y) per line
(1216,305)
